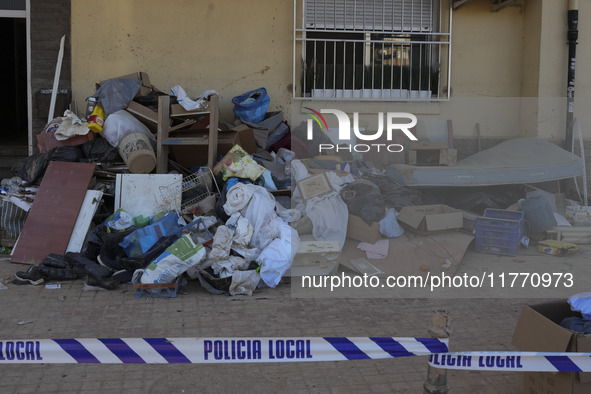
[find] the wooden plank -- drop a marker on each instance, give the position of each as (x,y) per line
(87,211)
(162,134)
(52,217)
(212,149)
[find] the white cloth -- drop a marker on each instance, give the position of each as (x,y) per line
(329,215)
(71,125)
(376,251)
(238,197)
(188,104)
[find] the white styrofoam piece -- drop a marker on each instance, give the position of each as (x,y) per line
(87,211)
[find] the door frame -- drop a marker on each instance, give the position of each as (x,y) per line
(26,14)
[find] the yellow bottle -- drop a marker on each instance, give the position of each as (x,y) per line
(97,119)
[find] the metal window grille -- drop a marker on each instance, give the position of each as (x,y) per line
(396,50)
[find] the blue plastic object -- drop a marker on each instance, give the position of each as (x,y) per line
(252,106)
(499,231)
(141,240)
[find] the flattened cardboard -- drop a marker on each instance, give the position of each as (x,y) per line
(426,219)
(359,230)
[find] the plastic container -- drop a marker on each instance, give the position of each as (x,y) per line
(499,232)
(97,119)
(136,151)
(252,106)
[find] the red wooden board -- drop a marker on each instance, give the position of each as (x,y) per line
(52,217)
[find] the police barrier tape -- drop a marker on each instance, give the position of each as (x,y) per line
(513,361)
(214,350)
(287,349)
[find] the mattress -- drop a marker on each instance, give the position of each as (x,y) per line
(514,161)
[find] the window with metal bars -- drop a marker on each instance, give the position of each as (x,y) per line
(371,49)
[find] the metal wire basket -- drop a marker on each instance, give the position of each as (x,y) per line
(195,188)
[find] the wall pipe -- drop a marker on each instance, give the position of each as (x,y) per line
(572,35)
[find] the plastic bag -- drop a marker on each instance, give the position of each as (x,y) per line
(237,163)
(252,106)
(116,94)
(141,240)
(122,123)
(363,199)
(178,258)
(120,220)
(329,218)
(100,150)
(389,226)
(581,302)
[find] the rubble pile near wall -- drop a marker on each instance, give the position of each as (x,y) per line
(267,209)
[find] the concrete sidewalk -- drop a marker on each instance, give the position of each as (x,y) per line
(33,312)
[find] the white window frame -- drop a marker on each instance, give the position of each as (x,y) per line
(346,40)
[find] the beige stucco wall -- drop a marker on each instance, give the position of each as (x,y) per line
(230,46)
(508,68)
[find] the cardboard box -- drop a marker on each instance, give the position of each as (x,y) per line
(426,219)
(539,330)
(579,216)
(557,248)
(195,155)
(359,230)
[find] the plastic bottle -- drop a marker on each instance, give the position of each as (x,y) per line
(97,119)
(90,104)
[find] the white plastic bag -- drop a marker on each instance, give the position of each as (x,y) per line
(277,257)
(329,216)
(122,123)
(389,226)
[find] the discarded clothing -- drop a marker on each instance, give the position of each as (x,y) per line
(70,126)
(222,241)
(227,267)
(377,251)
(244,282)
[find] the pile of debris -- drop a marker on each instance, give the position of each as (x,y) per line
(85,207)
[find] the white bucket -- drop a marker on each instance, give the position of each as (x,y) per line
(136,151)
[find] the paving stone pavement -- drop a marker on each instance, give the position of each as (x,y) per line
(71,312)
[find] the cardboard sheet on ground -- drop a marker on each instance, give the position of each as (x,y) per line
(408,253)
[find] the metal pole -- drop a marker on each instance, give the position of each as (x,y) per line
(573,35)
(436,377)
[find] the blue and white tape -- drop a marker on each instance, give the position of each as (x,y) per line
(214,350)
(286,349)
(513,361)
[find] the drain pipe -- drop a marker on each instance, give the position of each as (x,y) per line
(573,35)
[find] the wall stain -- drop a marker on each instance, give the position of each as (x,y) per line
(263,71)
